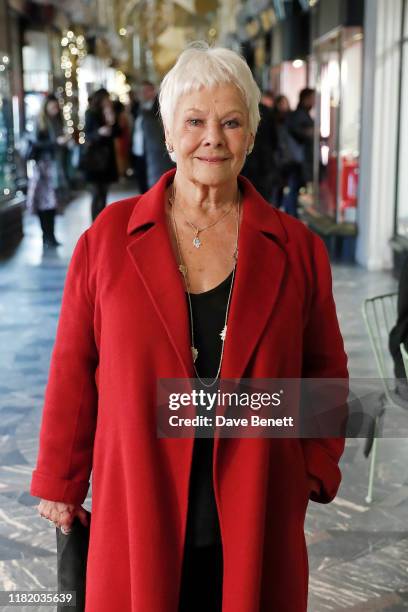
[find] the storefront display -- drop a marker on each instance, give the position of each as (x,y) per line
(7,165)
(338,65)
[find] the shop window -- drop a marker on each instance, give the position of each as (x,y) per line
(338,77)
(37,72)
(402,154)
(293,80)
(289,78)
(37,75)
(7,166)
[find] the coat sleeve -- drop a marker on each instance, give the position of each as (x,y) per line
(324,357)
(69,416)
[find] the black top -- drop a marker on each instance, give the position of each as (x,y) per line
(45,145)
(208,310)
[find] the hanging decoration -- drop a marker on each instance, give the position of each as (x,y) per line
(73,52)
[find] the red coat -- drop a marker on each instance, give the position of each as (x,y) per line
(124,323)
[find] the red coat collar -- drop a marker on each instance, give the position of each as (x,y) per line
(256,211)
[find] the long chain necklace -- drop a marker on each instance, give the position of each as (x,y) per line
(184,271)
(197,230)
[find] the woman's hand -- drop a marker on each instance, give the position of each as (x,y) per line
(61,514)
(314,485)
(63,140)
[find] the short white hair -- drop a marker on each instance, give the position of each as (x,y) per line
(200,65)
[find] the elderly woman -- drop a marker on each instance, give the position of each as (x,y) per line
(198,277)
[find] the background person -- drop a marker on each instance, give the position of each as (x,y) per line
(289,158)
(151,158)
(123,141)
(199,277)
(260,166)
(47,141)
(301,125)
(145,103)
(399,333)
(99,158)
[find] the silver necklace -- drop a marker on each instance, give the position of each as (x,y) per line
(184,271)
(197,230)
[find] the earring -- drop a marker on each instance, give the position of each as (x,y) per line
(169,147)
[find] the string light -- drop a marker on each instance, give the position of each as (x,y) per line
(73,51)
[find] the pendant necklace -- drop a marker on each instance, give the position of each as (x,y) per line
(197,230)
(184,271)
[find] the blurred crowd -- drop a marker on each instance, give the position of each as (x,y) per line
(124,141)
(282,159)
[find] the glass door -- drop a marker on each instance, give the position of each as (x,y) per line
(339,61)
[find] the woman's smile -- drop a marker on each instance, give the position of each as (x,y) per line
(213,160)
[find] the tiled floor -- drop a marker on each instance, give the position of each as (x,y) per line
(358,553)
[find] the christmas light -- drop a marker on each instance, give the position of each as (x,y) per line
(73,51)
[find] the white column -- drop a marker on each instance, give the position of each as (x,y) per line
(379,133)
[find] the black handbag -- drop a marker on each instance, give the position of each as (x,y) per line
(72,553)
(96,157)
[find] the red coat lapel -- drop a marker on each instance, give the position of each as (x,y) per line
(152,254)
(260,270)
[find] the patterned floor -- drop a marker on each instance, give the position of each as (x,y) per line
(358,553)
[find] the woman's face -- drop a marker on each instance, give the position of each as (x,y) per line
(52,108)
(106,103)
(210,134)
(283,105)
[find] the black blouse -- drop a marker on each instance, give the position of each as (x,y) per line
(208,309)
